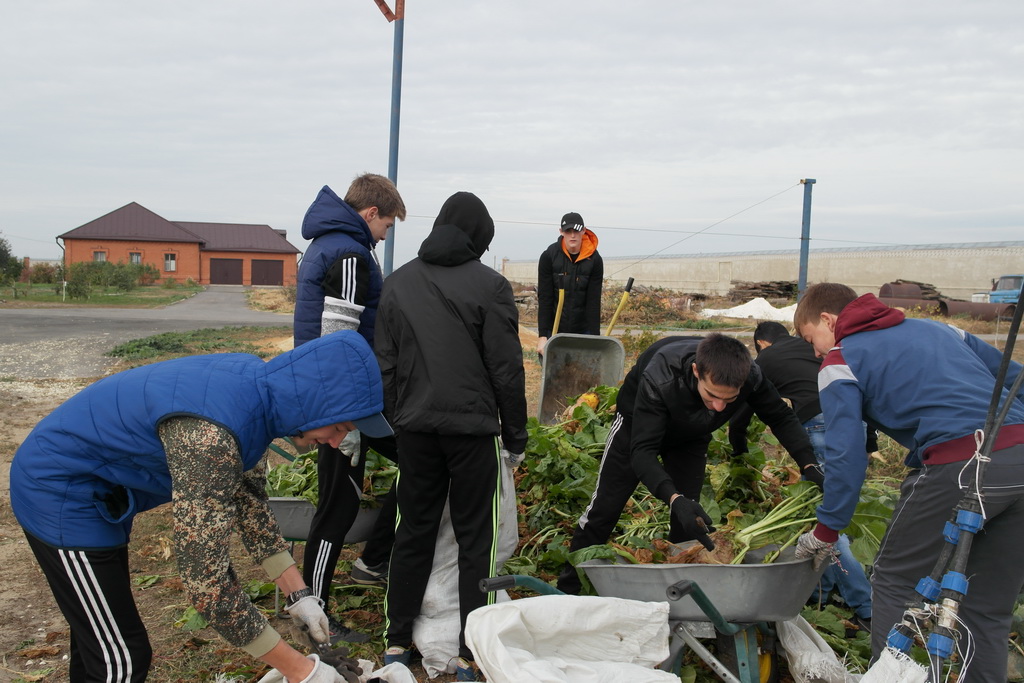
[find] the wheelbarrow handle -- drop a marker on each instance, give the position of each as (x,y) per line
(497,583)
(679,590)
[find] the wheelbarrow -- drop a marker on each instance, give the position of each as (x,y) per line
(573,363)
(735,604)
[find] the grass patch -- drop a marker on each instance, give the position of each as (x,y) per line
(209,340)
(149,296)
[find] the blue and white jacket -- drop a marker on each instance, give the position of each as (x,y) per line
(340,262)
(926,384)
(105,436)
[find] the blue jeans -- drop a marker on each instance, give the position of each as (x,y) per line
(848,575)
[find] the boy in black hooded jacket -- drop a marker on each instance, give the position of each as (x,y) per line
(448,344)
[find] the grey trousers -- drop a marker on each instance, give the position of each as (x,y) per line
(995,568)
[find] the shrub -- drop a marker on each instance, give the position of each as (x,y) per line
(170,283)
(43,274)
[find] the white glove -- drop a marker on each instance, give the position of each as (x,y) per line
(512,459)
(810,545)
(350,446)
(322,672)
(310,612)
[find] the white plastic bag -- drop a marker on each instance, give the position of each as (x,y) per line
(436,629)
(810,658)
(569,638)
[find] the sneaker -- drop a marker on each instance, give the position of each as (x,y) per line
(342,633)
(399,654)
(465,670)
(377,575)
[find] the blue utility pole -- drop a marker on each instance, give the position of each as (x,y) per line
(398,16)
(805,237)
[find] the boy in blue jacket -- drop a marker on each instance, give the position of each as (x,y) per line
(340,268)
(192,430)
(927,385)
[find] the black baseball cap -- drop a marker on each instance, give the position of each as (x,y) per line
(573,221)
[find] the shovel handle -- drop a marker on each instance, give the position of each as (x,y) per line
(618,309)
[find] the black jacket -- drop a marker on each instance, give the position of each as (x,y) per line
(582,279)
(447,335)
(661,398)
(789,364)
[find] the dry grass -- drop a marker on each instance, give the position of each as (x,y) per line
(274,299)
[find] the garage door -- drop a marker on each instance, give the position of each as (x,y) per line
(266,272)
(225,271)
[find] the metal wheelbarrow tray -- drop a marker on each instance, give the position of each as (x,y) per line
(742,593)
(574,363)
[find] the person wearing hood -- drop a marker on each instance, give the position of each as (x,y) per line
(339,285)
(454,386)
(928,386)
(193,431)
(571,264)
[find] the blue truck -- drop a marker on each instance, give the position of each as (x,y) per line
(1006,290)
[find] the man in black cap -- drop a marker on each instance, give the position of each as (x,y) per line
(573,265)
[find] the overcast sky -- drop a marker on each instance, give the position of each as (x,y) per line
(655,121)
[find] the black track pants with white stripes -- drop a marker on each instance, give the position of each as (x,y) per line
(93,591)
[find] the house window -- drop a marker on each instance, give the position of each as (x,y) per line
(99,256)
(170,262)
(135,258)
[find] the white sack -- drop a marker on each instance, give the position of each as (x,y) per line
(895,667)
(810,658)
(569,638)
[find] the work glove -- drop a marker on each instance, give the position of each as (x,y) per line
(511,459)
(693,520)
(311,617)
(323,673)
(823,552)
(350,446)
(814,474)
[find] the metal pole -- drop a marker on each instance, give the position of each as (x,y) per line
(396,110)
(805,237)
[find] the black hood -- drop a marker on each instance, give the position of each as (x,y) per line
(462,232)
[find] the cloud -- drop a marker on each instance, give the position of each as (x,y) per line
(644,118)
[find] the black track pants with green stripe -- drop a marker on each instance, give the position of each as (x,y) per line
(430,464)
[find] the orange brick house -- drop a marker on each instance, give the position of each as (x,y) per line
(209,253)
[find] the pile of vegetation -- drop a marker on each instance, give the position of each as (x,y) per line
(755,499)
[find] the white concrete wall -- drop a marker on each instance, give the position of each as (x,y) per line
(957,271)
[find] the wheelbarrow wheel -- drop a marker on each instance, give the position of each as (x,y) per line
(767,660)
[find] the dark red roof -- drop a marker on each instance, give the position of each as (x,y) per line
(132,222)
(138,224)
(239,237)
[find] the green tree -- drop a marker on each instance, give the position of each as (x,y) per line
(10,265)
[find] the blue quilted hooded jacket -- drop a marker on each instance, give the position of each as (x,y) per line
(336,230)
(106,435)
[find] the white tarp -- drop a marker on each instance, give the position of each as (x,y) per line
(757,309)
(571,639)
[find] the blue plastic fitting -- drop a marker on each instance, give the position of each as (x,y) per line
(928,588)
(899,640)
(940,645)
(969,521)
(955,581)
(951,532)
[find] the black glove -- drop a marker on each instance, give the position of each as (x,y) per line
(814,473)
(693,520)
